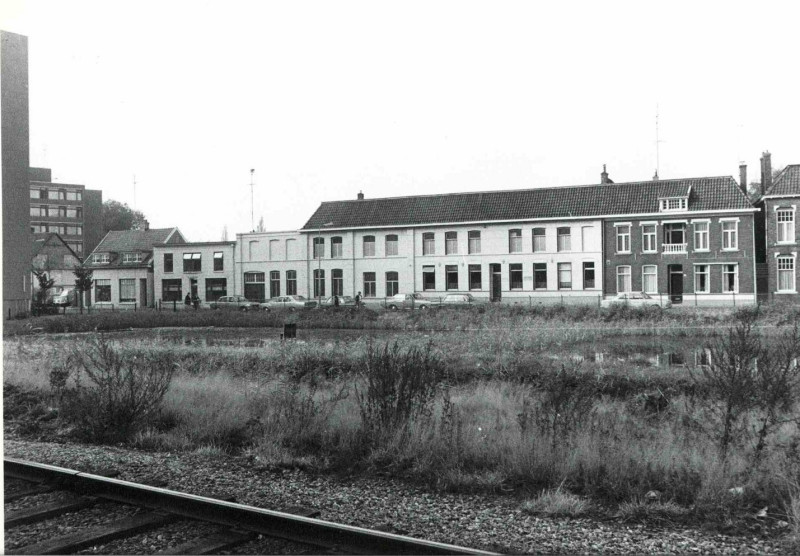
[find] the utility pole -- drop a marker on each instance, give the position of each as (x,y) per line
(252,220)
(134,192)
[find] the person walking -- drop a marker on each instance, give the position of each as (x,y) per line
(195,302)
(335,300)
(188,300)
(358,299)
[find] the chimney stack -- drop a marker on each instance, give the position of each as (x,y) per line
(766,172)
(604,176)
(655,176)
(360,195)
(146,225)
(743,177)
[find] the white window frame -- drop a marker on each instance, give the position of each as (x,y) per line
(534,235)
(621,273)
(474,242)
(623,237)
(451,243)
(567,239)
(564,268)
(368,247)
(704,234)
(735,278)
(654,274)
(648,237)
(793,260)
(101,258)
(392,242)
(730,237)
(707,274)
(129,258)
(428,243)
(787,225)
(515,240)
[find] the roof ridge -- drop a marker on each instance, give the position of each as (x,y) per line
(554,187)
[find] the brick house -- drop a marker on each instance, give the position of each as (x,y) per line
(122,267)
(202,269)
(779,203)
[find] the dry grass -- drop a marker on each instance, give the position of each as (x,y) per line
(557,503)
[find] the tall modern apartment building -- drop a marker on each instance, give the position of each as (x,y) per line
(69,210)
(15,160)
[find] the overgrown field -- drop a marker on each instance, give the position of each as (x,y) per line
(484,409)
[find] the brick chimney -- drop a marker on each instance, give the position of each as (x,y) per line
(604,176)
(360,196)
(146,225)
(743,177)
(766,172)
(655,176)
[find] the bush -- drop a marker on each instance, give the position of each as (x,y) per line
(557,503)
(115,393)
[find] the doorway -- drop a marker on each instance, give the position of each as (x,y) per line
(496,285)
(194,287)
(143,292)
(675,283)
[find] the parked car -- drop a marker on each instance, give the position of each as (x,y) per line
(458,300)
(288,302)
(344,301)
(409,301)
(64,298)
(636,299)
(238,302)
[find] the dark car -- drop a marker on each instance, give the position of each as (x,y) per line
(344,301)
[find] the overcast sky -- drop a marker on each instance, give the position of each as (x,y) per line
(325,99)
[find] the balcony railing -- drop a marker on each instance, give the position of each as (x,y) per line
(673,248)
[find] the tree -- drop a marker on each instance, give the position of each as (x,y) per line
(225,233)
(119,216)
(83,282)
(45,284)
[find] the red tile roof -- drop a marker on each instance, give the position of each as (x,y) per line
(714,193)
(787,182)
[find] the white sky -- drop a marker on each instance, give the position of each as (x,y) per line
(325,99)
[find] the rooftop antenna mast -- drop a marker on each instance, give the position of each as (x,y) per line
(134,192)
(252,220)
(658,141)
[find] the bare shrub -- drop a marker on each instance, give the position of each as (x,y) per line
(557,503)
(114,394)
(567,399)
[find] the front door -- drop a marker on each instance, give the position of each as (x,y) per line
(676,283)
(194,288)
(496,291)
(143,292)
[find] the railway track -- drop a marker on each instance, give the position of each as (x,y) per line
(222,524)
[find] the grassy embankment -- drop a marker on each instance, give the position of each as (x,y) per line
(488,409)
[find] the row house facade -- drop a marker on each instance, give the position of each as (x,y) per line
(779,210)
(204,270)
(271,264)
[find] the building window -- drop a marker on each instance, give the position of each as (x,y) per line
(62,212)
(76,246)
(73,230)
(539,240)
(336,248)
(674,204)
(369,284)
(35,193)
(319,282)
(588,275)
(730,278)
(391,245)
(428,244)
(216,288)
(167,262)
(474,242)
(428,278)
(102,291)
(451,277)
(291,282)
(649,238)
(565,276)
(729,234)
(475,276)
(515,241)
(101,258)
(540,276)
(623,279)
(701,236)
(337,282)
(319,247)
(701,278)
(131,258)
(254,289)
(785,225)
(171,290)
(73,212)
(192,262)
(219,260)
(450,243)
(38,228)
(127,290)
(515,276)
(650,278)
(39,211)
(786,274)
(623,239)
(274,283)
(74,195)
(392,284)
(564,239)
(369,246)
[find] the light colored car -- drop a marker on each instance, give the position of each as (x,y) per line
(237,302)
(409,301)
(288,302)
(344,301)
(458,300)
(64,298)
(636,299)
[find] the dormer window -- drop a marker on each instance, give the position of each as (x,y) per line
(131,258)
(101,258)
(673,204)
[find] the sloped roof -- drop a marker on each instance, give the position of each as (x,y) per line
(118,241)
(787,182)
(50,239)
(712,193)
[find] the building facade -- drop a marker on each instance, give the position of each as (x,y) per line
(15,160)
(122,267)
(204,270)
(270,264)
(779,204)
(53,256)
(69,210)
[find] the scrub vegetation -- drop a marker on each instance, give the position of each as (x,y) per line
(476,411)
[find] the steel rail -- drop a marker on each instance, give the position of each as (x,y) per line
(305,530)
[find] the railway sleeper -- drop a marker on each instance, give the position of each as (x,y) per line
(212,544)
(47,511)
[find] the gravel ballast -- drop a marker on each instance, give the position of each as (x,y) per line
(477,521)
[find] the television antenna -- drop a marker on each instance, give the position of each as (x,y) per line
(252,220)
(658,142)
